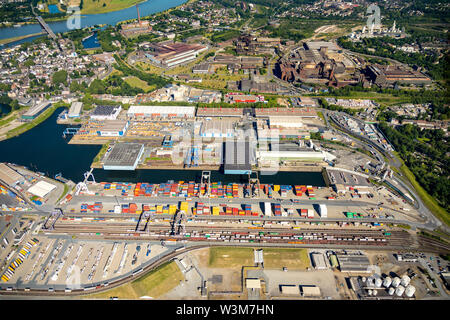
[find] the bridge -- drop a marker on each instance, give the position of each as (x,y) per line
(45,26)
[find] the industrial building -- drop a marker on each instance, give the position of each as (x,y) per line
(75,109)
(106,112)
(217,128)
(113,128)
(220,112)
(357,263)
(36,110)
(136,112)
(318,260)
(285,112)
(10,176)
(310,291)
(41,189)
(384,76)
(306,155)
(123,156)
(234,97)
(173,54)
(238,157)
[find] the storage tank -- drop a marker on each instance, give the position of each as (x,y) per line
(391,291)
(375,292)
(387,282)
(409,291)
(399,291)
(369,282)
(364,279)
(405,281)
(378,282)
(396,282)
(369,292)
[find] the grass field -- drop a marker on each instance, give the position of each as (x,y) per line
(154,284)
(284,257)
(228,257)
(429,201)
(138,83)
(93,6)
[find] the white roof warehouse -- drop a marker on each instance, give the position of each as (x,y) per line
(161,111)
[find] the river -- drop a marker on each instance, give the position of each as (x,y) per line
(145,8)
(44,149)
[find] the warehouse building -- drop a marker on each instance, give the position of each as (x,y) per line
(310,291)
(298,155)
(123,156)
(220,112)
(113,128)
(285,112)
(319,261)
(75,109)
(106,112)
(172,54)
(135,112)
(357,263)
(238,157)
(41,189)
(10,176)
(36,110)
(217,128)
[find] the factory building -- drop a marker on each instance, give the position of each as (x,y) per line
(217,129)
(238,157)
(172,54)
(10,176)
(135,112)
(36,110)
(106,112)
(75,109)
(299,155)
(285,112)
(113,128)
(357,263)
(319,261)
(123,156)
(384,76)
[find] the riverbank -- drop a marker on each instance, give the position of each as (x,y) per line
(13,39)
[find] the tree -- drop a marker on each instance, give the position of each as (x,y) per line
(59,77)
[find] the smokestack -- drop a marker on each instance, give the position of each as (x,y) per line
(139,16)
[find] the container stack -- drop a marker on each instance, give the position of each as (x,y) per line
(277,209)
(303,213)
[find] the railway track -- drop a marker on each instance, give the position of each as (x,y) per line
(353,237)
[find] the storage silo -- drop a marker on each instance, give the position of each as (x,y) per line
(378,282)
(387,282)
(369,282)
(369,292)
(410,290)
(399,291)
(405,281)
(375,292)
(391,291)
(396,282)
(364,279)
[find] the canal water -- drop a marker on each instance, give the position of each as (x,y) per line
(145,8)
(4,109)
(44,149)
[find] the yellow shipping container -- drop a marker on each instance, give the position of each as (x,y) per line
(215,211)
(276,187)
(159,209)
(165,211)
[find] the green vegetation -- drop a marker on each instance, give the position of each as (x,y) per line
(289,258)
(59,77)
(154,284)
(100,154)
(102,6)
(151,79)
(428,161)
(224,35)
(27,126)
(229,257)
